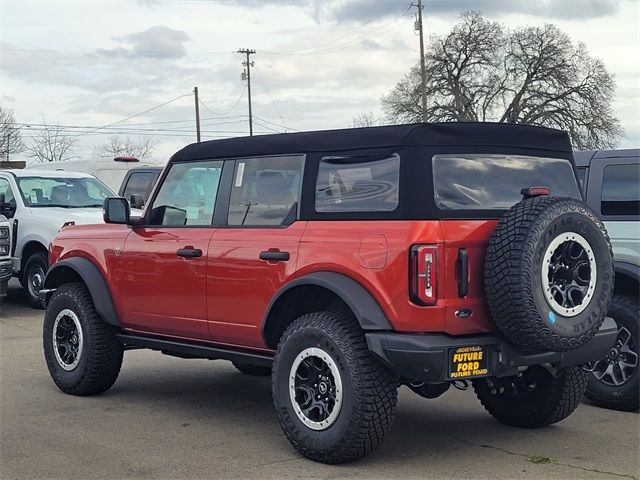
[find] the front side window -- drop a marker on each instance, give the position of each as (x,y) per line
(621,190)
(265,191)
(63,192)
(493,182)
(5,189)
(366,183)
(188,195)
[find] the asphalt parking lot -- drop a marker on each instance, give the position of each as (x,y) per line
(173,418)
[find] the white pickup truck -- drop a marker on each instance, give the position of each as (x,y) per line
(38,203)
(5,256)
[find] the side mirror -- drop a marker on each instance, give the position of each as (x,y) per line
(137,201)
(116,210)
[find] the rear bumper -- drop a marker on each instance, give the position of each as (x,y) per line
(425,358)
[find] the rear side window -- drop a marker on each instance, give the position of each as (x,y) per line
(489,181)
(265,191)
(139,183)
(621,190)
(367,183)
(188,195)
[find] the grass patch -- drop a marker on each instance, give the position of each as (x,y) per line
(538,459)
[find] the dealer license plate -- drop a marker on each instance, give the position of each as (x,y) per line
(469,362)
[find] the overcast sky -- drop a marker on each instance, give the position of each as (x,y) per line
(319,63)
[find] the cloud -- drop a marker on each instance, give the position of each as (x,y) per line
(359,11)
(154,42)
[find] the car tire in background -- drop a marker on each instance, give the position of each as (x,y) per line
(82,352)
(334,399)
(33,274)
(534,399)
(549,273)
(614,381)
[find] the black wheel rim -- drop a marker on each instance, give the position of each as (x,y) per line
(315,388)
(621,362)
(35,280)
(568,274)
(67,339)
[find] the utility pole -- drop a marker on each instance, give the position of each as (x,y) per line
(423,73)
(247,74)
(195,94)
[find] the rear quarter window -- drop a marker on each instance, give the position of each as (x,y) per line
(621,190)
(491,181)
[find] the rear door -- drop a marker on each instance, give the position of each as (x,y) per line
(255,252)
(164,283)
(471,192)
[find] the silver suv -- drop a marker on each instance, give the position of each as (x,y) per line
(610,180)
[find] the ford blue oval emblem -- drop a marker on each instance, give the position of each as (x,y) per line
(464,313)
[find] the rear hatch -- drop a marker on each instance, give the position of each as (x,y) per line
(472,191)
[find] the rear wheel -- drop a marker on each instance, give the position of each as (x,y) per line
(535,399)
(335,401)
(35,269)
(82,352)
(614,381)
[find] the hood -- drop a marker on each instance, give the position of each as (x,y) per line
(59,215)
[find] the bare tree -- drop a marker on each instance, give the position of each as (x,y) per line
(365,120)
(481,71)
(119,146)
(50,143)
(10,135)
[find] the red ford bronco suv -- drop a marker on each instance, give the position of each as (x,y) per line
(344,264)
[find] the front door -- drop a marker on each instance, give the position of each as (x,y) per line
(164,285)
(252,256)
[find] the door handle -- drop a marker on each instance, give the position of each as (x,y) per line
(274,256)
(463,273)
(189,252)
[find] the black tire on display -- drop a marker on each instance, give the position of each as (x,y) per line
(35,269)
(536,399)
(82,352)
(335,401)
(614,381)
(549,273)
(253,370)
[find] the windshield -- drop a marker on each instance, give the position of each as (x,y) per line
(63,192)
(488,181)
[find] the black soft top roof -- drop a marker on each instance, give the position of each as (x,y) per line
(431,134)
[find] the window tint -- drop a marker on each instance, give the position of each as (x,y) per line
(188,195)
(621,190)
(367,183)
(265,190)
(140,183)
(487,181)
(582,175)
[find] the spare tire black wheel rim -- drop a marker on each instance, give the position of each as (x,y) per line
(620,363)
(568,274)
(67,339)
(315,388)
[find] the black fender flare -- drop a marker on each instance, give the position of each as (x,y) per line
(92,278)
(366,309)
(628,269)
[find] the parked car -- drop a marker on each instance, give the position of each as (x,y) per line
(110,171)
(343,264)
(138,183)
(38,203)
(611,185)
(5,256)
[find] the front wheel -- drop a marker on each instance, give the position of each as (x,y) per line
(35,269)
(535,399)
(335,401)
(82,352)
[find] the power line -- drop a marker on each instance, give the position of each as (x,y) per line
(273,102)
(247,73)
(228,111)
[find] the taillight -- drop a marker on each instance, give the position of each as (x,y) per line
(423,274)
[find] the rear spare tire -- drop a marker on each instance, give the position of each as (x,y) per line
(549,273)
